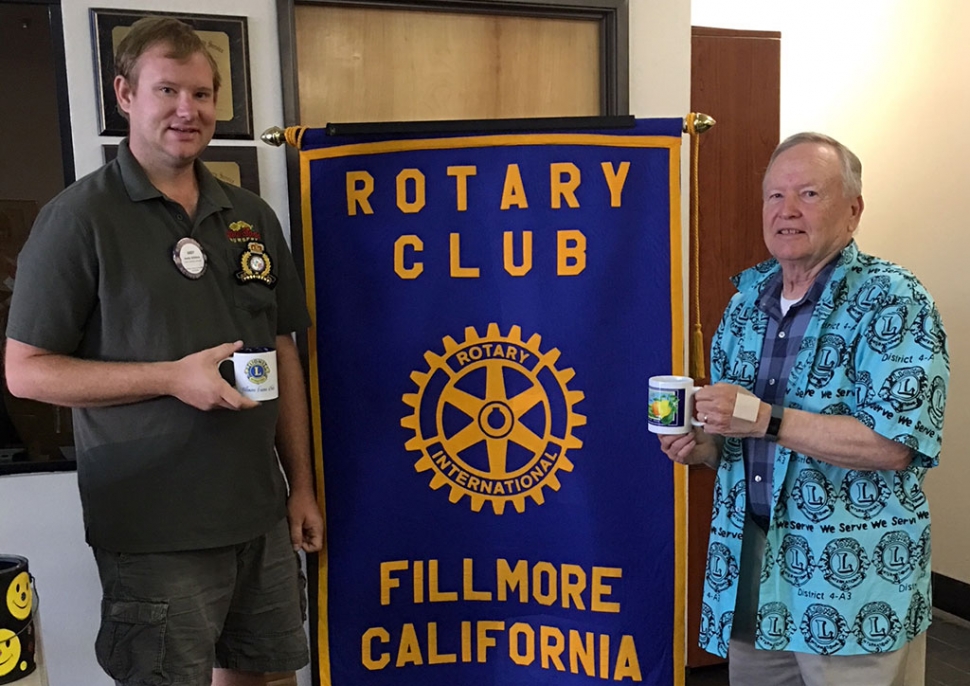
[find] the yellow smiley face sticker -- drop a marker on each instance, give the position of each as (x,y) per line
(19,596)
(9,651)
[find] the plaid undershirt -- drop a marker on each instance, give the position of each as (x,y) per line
(783,338)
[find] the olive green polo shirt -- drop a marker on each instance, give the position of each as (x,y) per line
(97,280)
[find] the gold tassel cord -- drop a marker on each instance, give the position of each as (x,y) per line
(695,125)
(294,136)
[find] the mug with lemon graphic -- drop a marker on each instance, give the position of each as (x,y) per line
(17,639)
(670,404)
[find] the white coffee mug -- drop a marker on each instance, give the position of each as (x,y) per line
(670,404)
(254,373)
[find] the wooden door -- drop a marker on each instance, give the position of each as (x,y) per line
(735,78)
(366,64)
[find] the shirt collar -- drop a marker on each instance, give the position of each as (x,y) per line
(140,188)
(769,299)
(758,276)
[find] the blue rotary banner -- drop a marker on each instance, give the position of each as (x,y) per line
(487,311)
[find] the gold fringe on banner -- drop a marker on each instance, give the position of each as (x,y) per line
(695,125)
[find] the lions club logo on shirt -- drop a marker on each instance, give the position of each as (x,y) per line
(876,627)
(844,563)
(775,626)
(824,629)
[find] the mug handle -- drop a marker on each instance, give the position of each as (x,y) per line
(694,421)
(233,372)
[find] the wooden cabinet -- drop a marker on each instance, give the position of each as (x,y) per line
(735,79)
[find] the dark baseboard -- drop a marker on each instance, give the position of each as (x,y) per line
(951,595)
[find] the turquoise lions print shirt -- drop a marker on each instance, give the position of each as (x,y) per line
(846,569)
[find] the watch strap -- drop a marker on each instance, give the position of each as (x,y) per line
(774,423)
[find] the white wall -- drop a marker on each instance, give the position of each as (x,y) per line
(891,80)
(40,515)
(659,58)
(660,87)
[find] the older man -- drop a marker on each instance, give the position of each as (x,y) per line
(818,568)
(136,281)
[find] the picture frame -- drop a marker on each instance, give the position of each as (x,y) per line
(226,37)
(235,164)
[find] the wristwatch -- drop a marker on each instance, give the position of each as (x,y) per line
(774,423)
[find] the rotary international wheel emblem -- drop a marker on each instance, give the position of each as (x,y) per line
(493,419)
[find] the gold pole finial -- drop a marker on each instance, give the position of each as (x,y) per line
(273,136)
(697,122)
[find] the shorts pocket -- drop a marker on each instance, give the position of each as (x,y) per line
(131,642)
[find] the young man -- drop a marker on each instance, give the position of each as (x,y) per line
(818,569)
(136,281)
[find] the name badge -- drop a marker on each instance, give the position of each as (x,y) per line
(190,258)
